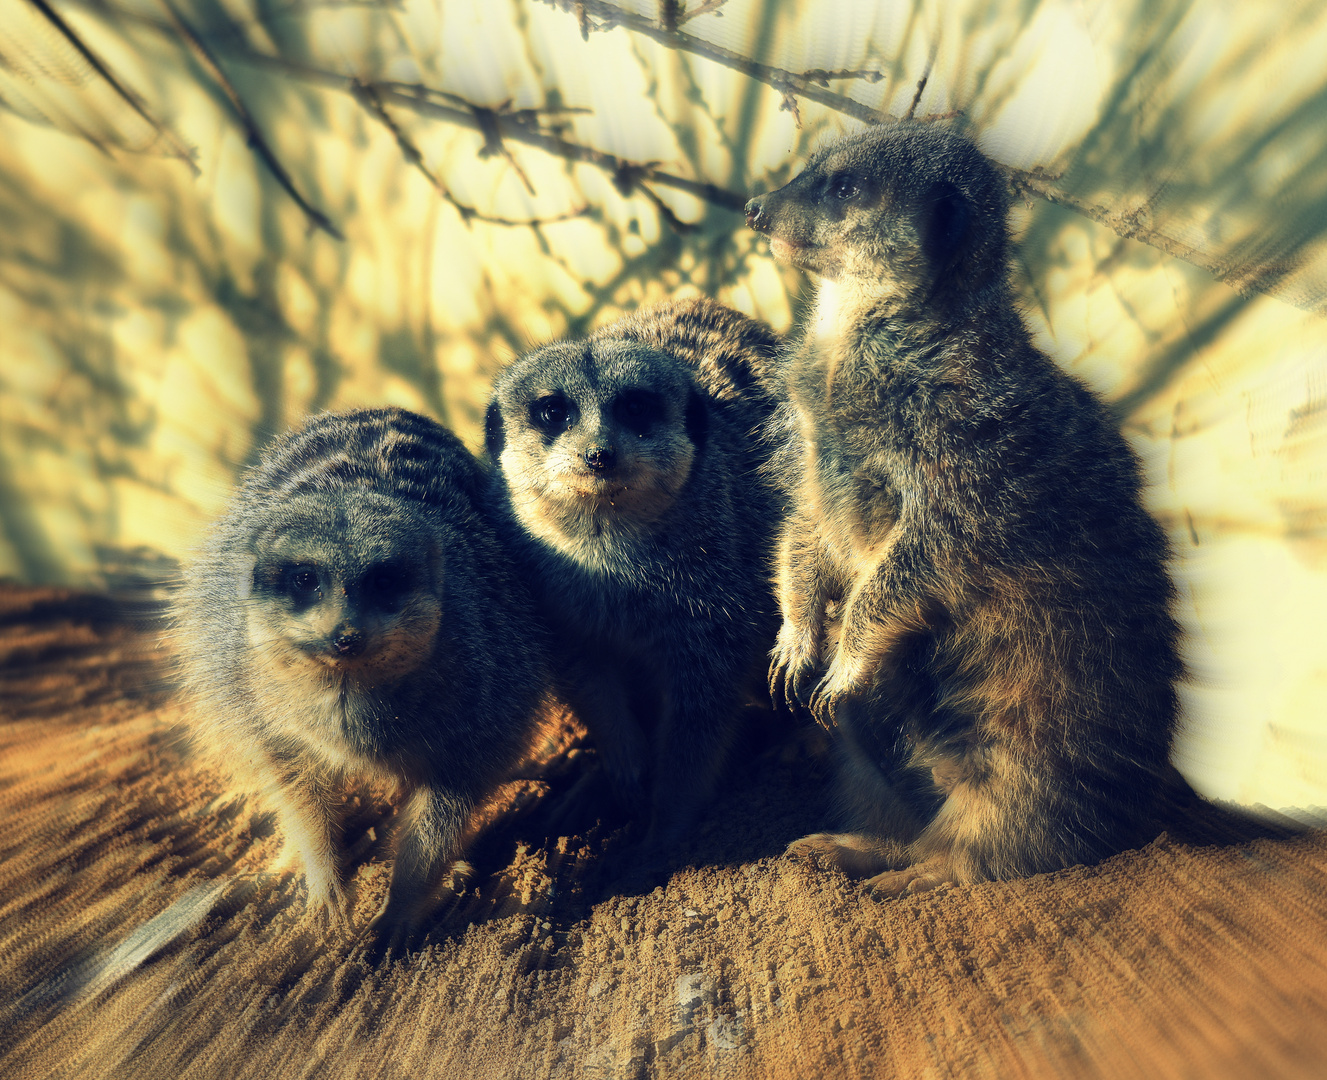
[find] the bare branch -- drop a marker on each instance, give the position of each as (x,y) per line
(810,84)
(178,148)
(368,96)
(316,217)
(1134,225)
(518,125)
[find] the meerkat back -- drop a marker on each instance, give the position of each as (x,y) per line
(354,613)
(629,471)
(973,594)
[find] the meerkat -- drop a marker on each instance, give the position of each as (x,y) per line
(354,614)
(973,596)
(628,467)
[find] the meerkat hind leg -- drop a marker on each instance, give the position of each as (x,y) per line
(1006,815)
(877,802)
(855,854)
(919,877)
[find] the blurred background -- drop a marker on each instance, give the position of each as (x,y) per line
(218,216)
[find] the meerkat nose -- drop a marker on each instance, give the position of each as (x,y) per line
(348,641)
(755,216)
(600,458)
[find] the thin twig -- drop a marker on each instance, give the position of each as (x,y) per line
(810,84)
(255,138)
(493,144)
(368,95)
(448,98)
(921,85)
(704,9)
(178,148)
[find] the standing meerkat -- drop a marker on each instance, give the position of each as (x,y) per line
(971,590)
(629,469)
(354,613)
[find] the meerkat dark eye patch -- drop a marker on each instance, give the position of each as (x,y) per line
(638,410)
(299,582)
(844,186)
(551,414)
(950,215)
(386,585)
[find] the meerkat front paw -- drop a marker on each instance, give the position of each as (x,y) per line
(793,662)
(844,679)
(327,899)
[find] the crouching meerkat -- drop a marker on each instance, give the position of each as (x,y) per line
(353,612)
(629,471)
(972,593)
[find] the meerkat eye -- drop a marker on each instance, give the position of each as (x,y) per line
(550,414)
(844,186)
(638,410)
(301,583)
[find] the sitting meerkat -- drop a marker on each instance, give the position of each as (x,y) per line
(972,593)
(629,469)
(354,613)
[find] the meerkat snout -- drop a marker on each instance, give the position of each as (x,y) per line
(348,641)
(599,457)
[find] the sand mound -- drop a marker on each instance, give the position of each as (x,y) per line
(146,929)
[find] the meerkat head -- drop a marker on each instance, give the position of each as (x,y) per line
(595,436)
(904,210)
(342,585)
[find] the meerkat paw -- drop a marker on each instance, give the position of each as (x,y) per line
(328,900)
(393,932)
(793,663)
(854,854)
(845,678)
(388,937)
(920,877)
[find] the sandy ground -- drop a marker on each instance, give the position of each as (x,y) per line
(147,930)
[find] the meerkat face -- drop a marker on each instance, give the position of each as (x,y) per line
(342,585)
(594,436)
(899,209)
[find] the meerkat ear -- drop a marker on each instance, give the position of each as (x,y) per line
(947,227)
(494,437)
(698,419)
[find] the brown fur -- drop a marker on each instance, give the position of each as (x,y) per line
(648,539)
(972,593)
(353,614)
